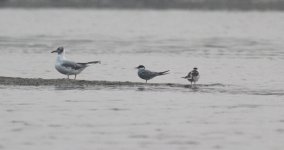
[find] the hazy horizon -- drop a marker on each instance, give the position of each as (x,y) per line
(149,4)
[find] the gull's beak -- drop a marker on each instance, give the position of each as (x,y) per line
(54,51)
(136,68)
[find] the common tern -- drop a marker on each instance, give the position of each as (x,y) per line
(147,74)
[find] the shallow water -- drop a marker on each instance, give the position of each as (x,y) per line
(237,104)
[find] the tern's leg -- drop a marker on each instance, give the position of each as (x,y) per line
(68,76)
(75,77)
(146,81)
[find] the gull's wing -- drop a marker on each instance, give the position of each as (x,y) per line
(189,75)
(73,65)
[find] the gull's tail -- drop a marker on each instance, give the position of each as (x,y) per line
(186,77)
(91,62)
(163,73)
(94,62)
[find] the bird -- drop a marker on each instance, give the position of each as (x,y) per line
(147,74)
(193,76)
(68,67)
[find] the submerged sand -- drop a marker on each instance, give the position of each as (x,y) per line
(69,82)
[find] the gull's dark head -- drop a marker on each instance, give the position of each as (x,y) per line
(195,68)
(59,50)
(140,67)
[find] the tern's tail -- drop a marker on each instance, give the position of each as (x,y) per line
(163,73)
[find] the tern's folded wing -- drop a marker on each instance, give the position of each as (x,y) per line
(148,73)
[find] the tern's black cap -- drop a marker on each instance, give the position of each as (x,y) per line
(140,66)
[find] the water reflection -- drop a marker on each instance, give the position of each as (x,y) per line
(62,87)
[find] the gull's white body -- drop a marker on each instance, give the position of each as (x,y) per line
(59,66)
